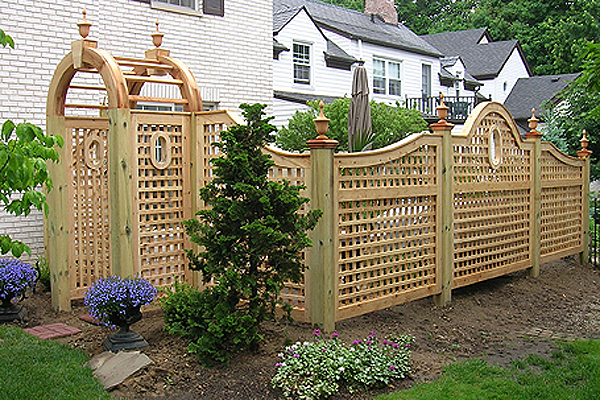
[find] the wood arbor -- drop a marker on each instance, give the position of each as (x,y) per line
(125,178)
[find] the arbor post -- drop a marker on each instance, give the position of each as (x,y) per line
(584,154)
(536,206)
(321,277)
(446,255)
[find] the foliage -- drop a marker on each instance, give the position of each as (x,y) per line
(6,40)
(33,368)
(114,297)
(250,241)
(568,118)
(15,278)
(43,271)
(570,373)
(389,125)
(24,150)
(314,370)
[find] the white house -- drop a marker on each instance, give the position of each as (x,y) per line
(227,44)
(495,65)
(316,46)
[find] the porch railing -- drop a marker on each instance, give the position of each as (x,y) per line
(459,106)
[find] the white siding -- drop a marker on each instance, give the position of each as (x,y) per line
(284,110)
(513,69)
(325,81)
(230,56)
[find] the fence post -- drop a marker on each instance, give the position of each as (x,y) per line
(121,169)
(446,256)
(56,227)
(321,283)
(584,154)
(537,194)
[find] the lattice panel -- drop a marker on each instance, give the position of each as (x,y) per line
(211,135)
(491,231)
(387,244)
(293,294)
(160,205)
(561,211)
(554,169)
(474,160)
(91,225)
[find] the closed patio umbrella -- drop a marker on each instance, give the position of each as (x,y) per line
(360,136)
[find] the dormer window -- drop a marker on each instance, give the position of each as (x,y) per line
(301,60)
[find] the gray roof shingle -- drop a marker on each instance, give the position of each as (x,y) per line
(532,92)
(482,60)
(355,25)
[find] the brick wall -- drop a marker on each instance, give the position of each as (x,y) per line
(230,56)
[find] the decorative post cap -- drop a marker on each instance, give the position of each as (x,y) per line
(321,125)
(84,25)
(157,36)
(584,152)
(533,123)
(442,113)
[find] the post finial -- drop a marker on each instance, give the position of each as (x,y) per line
(533,124)
(321,125)
(157,37)
(84,25)
(584,152)
(442,109)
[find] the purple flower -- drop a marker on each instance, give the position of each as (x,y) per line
(317,332)
(385,341)
(369,342)
(392,368)
(407,345)
(371,333)
(278,364)
(357,342)
(395,345)
(296,355)
(15,278)
(324,349)
(115,297)
(334,335)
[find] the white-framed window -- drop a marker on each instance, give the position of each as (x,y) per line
(426,80)
(387,77)
(301,61)
(193,7)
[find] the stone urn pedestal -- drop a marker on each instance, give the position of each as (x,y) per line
(125,338)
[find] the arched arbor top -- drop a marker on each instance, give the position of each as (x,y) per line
(123,78)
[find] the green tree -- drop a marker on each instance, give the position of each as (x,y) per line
(250,241)
(24,150)
(567,120)
(390,124)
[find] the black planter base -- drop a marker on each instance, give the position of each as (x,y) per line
(12,313)
(124,340)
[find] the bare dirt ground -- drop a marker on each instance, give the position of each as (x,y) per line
(498,320)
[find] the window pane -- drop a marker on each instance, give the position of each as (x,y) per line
(394,87)
(378,68)
(182,3)
(301,59)
(394,70)
(379,85)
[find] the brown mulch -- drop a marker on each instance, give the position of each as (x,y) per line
(498,320)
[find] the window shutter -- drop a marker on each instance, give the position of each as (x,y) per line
(213,7)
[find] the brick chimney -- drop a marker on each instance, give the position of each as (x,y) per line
(384,8)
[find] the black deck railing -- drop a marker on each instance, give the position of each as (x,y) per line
(459,107)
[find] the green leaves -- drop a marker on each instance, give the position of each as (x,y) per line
(6,40)
(24,150)
(251,241)
(390,124)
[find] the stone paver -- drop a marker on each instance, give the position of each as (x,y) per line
(113,368)
(53,331)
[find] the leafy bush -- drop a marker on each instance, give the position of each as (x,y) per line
(43,271)
(389,125)
(314,370)
(251,241)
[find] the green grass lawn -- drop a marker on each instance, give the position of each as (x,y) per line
(32,368)
(572,373)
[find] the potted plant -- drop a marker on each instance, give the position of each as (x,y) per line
(116,302)
(15,278)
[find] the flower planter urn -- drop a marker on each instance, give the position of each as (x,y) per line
(16,278)
(10,312)
(125,338)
